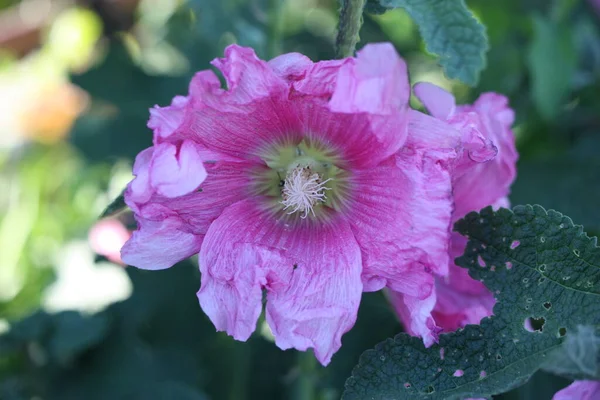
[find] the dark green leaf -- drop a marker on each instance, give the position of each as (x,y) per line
(74,333)
(450,31)
(115,207)
(541,267)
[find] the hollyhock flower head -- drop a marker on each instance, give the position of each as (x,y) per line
(481,176)
(299,181)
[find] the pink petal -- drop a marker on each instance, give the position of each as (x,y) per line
(482,184)
(400,216)
(139,190)
(290,66)
(437,101)
(377,83)
(165,120)
(415,314)
(107,237)
(579,390)
(321,78)
(248,77)
(159,244)
(311,271)
(176,172)
(425,132)
(226,184)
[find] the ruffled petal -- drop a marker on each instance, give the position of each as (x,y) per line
(311,272)
(400,215)
(415,314)
(166,120)
(248,77)
(291,66)
(437,101)
(176,171)
(139,190)
(249,118)
(579,390)
(158,244)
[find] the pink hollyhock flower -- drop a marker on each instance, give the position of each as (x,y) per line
(481,176)
(579,390)
(107,237)
(301,181)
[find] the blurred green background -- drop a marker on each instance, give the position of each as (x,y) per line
(76,82)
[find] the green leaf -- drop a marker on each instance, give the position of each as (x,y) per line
(579,356)
(115,206)
(552,61)
(541,267)
(450,31)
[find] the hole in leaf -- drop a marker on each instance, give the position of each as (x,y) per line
(542,239)
(576,252)
(562,331)
(547,305)
(498,357)
(542,268)
(407,385)
(534,324)
(458,373)
(514,244)
(429,389)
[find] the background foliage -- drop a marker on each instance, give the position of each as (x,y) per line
(73,116)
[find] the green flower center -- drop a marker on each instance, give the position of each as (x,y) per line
(303,179)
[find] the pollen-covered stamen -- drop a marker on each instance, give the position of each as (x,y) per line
(302,190)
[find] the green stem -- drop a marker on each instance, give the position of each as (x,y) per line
(350,22)
(275,28)
(305,385)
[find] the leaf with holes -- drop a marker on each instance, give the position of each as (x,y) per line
(450,31)
(545,273)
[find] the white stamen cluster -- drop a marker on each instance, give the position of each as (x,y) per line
(302,189)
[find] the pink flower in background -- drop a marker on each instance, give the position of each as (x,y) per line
(579,390)
(300,180)
(107,237)
(481,176)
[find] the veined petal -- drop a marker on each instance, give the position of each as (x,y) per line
(400,215)
(310,269)
(226,184)
(158,244)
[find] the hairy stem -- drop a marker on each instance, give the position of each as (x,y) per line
(350,22)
